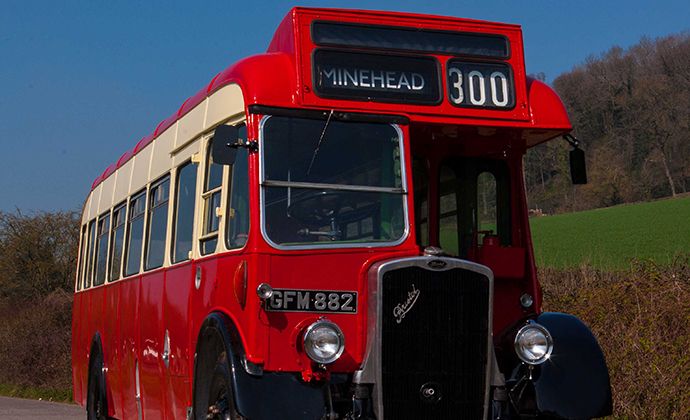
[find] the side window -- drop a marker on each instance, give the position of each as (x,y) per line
(448,212)
(90,254)
(118,241)
(135,233)
(102,240)
(420,179)
(486,202)
(184,212)
(238,215)
(158,224)
(213,180)
(82,258)
(474,195)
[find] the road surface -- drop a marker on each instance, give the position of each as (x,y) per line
(21,409)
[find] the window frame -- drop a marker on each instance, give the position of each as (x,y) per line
(90,255)
(208,195)
(426,190)
(231,189)
(500,169)
(147,224)
(99,237)
(128,231)
(403,188)
(113,228)
(175,195)
(82,257)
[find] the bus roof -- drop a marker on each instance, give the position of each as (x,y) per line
(282,77)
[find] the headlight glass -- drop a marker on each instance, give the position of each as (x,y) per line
(533,344)
(324,341)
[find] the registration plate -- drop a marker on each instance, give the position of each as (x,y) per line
(325,301)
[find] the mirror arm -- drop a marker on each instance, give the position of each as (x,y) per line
(254,145)
(572,140)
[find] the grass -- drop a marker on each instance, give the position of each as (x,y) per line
(610,238)
(57,395)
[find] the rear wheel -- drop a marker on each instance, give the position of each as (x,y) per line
(95,398)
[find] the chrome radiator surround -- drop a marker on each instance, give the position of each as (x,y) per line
(371,371)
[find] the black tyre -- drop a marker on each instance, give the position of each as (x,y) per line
(219,402)
(96,408)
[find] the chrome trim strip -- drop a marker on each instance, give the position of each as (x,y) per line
(335,187)
(262,201)
(371,373)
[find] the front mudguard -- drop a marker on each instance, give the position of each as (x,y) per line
(574,382)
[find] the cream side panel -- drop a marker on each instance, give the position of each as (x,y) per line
(186,153)
(191,125)
(95,199)
(107,193)
(226,102)
(124,177)
(87,206)
(140,173)
(163,145)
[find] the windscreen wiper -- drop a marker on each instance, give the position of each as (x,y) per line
(319,143)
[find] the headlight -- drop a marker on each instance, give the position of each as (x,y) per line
(533,344)
(324,341)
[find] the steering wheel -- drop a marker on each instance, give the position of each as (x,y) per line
(332,208)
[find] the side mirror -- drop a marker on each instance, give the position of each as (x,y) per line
(225,142)
(578,171)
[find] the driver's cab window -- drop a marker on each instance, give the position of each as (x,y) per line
(474,195)
(327,183)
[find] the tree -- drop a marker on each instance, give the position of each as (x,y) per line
(38,253)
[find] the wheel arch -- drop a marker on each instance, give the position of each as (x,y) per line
(289,397)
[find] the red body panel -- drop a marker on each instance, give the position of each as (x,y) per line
(178,284)
(129,344)
(77,357)
(177,397)
(111,347)
(151,344)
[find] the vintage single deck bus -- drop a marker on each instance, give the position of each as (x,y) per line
(335,229)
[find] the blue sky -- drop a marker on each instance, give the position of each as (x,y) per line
(81,82)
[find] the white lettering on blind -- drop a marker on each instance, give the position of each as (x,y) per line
(372,79)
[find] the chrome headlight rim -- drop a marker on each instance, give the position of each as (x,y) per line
(549,343)
(324,323)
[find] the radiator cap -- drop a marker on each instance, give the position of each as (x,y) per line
(432,251)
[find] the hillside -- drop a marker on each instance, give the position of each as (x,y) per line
(610,238)
(630,109)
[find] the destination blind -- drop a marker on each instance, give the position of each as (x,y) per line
(376,77)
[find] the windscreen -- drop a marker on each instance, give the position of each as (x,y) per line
(331,182)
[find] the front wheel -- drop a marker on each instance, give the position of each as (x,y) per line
(221,405)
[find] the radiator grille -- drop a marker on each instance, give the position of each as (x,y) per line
(441,340)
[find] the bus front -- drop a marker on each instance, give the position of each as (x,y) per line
(393,268)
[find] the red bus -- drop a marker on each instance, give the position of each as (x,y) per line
(334,229)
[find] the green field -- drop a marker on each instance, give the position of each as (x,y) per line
(609,238)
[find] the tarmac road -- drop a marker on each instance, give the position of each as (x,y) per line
(21,409)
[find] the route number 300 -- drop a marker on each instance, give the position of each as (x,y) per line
(480,85)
